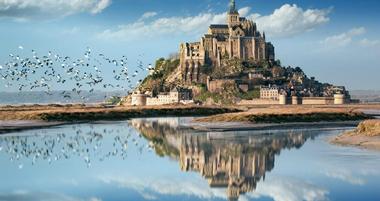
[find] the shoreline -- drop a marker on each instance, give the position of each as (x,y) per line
(246,126)
(16,125)
(289,115)
(366,135)
(77,113)
(364,142)
(16,118)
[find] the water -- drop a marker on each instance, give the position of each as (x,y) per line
(160,159)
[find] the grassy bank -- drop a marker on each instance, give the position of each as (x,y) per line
(314,115)
(83,113)
(368,128)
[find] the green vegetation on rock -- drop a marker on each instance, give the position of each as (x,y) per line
(158,80)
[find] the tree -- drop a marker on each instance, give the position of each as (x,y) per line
(298,70)
(277,71)
(278,62)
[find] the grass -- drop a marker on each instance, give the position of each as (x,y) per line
(369,128)
(311,117)
(287,115)
(68,114)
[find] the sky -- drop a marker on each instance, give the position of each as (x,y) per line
(336,41)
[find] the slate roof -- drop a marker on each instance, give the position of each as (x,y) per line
(219,26)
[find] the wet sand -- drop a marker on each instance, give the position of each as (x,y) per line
(17,125)
(372,143)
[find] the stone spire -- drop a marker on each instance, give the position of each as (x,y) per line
(233,7)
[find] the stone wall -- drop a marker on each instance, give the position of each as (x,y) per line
(216,86)
(317,101)
(139,100)
(258,102)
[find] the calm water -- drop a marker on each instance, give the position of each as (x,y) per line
(159,159)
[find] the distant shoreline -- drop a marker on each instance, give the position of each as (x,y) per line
(39,116)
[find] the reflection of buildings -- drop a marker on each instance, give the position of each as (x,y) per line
(237,163)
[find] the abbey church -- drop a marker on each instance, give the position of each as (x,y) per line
(239,38)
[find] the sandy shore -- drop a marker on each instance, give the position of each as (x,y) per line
(366,135)
(366,142)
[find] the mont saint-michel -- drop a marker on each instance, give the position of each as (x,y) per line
(238,39)
(178,100)
(233,63)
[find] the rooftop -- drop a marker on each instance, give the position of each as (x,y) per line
(219,26)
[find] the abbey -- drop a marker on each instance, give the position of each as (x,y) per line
(239,38)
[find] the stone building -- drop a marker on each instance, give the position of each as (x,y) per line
(271,92)
(175,96)
(239,38)
(138,99)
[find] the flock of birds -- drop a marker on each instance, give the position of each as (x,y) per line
(77,75)
(84,141)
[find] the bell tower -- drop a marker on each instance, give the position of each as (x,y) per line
(233,14)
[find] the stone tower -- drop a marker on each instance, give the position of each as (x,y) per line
(233,15)
(239,38)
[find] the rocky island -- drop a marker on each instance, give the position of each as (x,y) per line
(232,64)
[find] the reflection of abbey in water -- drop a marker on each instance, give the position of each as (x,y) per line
(236,161)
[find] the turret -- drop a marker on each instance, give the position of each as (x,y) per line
(233,15)
(232,7)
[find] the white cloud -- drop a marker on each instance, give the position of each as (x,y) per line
(23,10)
(345,175)
(40,196)
(289,189)
(149,189)
(244,11)
(163,26)
(100,6)
(344,39)
(288,20)
(148,15)
(369,43)
(279,189)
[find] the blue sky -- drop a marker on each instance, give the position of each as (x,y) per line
(335,41)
